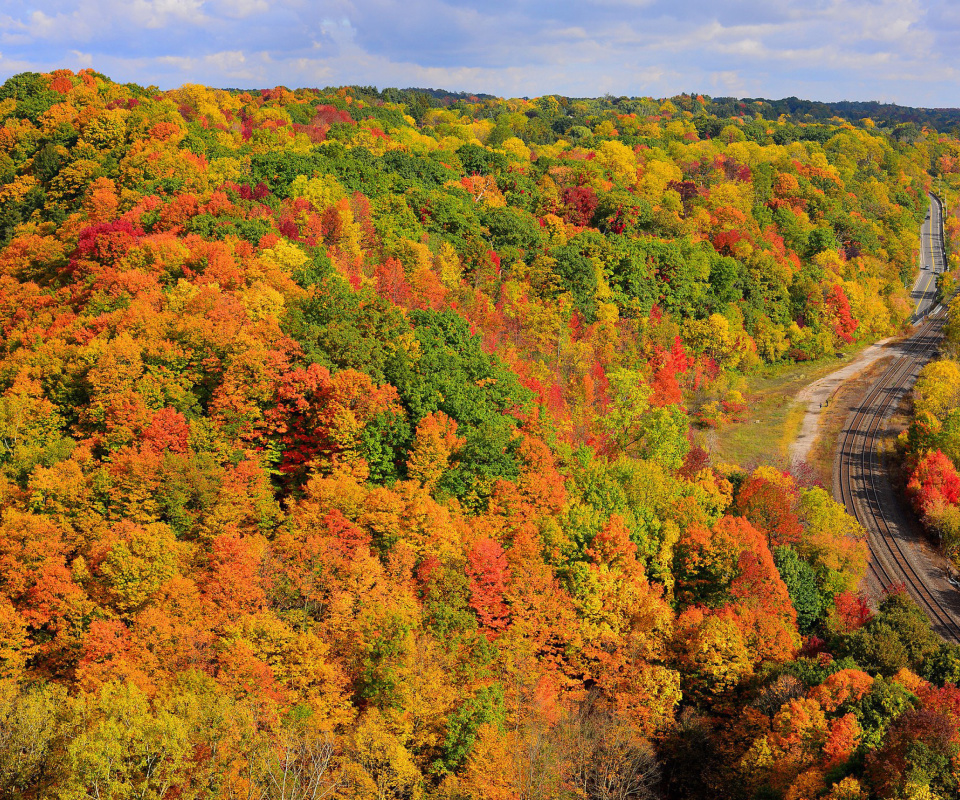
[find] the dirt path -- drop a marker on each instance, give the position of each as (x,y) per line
(818,394)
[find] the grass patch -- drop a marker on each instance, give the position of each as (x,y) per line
(792,424)
(759,439)
(773,418)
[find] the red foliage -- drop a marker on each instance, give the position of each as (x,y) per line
(350,539)
(488,572)
(61,84)
(696,459)
(852,611)
(168,430)
(426,569)
(363,217)
(105,651)
(934,480)
(843,688)
(288,227)
(579,204)
(428,290)
(258,192)
(392,282)
(178,211)
(842,739)
(600,384)
(232,585)
(612,546)
(844,325)
(315,411)
(107,242)
(725,242)
(331,225)
(771,507)
(666,388)
(888,765)
(329,115)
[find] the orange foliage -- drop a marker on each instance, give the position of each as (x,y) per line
(842,688)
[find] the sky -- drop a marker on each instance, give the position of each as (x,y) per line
(900,51)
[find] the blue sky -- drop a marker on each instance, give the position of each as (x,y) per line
(901,51)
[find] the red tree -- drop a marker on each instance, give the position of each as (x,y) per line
(488,572)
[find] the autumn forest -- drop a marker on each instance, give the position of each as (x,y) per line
(355,444)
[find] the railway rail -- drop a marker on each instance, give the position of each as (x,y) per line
(862,485)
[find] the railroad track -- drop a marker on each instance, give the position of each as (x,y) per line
(863,487)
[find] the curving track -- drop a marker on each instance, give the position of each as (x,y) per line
(897,554)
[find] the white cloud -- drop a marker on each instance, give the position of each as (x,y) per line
(160,13)
(82,60)
(822,49)
(240,9)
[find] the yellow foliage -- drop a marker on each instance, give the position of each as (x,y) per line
(605,128)
(483,188)
(382,767)
(436,441)
(619,160)
(655,176)
(808,786)
(716,338)
(516,148)
(322,191)
(262,302)
(937,389)
(413,255)
(555,228)
(139,563)
(107,130)
(225,169)
(73,179)
(711,650)
(285,255)
(446,264)
(847,789)
(56,115)
(17,189)
(15,644)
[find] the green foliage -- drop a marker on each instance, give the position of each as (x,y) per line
(446,609)
(477,160)
(512,230)
(485,707)
(943,666)
(30,91)
(416,171)
(210,227)
(383,655)
(342,329)
(885,701)
(578,275)
(813,671)
(898,636)
(383,445)
(451,373)
(801,582)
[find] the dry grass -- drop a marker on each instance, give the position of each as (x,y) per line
(833,417)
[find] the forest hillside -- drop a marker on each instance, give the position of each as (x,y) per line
(348,448)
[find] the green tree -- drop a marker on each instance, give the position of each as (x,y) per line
(801,582)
